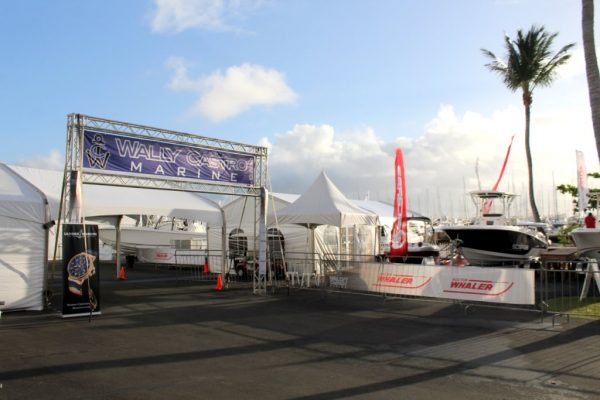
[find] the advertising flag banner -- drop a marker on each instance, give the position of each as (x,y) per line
(582,189)
(399,234)
(81,272)
(106,152)
(488,203)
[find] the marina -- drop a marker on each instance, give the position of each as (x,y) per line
(253,199)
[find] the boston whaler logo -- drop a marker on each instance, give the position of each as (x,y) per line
(404,281)
(478,287)
(162,255)
(97,154)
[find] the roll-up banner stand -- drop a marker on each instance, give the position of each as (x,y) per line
(81,272)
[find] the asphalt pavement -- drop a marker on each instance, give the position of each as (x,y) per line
(164,337)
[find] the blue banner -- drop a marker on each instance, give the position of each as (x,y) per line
(110,152)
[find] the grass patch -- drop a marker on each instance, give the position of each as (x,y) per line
(588,307)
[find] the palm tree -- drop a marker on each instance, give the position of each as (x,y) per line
(591,66)
(529,64)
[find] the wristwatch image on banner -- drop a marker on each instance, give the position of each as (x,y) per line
(80,268)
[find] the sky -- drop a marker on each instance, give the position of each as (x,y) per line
(332,86)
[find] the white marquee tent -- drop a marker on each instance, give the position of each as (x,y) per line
(324,204)
(24,214)
(324,211)
(107,201)
(242,216)
(102,200)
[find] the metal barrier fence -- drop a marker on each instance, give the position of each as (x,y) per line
(365,275)
(571,288)
(566,287)
(553,288)
(195,265)
(207,266)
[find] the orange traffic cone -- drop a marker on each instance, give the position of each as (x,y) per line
(219,283)
(206,269)
(122,273)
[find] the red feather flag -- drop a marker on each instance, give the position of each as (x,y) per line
(488,203)
(399,243)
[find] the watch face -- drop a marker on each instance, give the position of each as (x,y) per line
(79,264)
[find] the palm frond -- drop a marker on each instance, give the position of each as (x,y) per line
(549,67)
(529,61)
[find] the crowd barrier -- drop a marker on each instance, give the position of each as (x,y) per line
(571,288)
(550,288)
(196,265)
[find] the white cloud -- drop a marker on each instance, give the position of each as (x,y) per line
(180,80)
(226,94)
(54,161)
(312,148)
(357,161)
(440,163)
(213,15)
(574,67)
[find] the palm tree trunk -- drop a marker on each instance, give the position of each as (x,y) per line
(591,66)
(534,210)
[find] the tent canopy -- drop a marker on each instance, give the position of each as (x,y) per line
(241,212)
(20,199)
(384,211)
(102,200)
(324,204)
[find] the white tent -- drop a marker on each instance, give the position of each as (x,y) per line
(24,214)
(242,216)
(324,204)
(107,201)
(324,211)
(102,200)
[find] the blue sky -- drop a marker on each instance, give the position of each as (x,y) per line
(333,85)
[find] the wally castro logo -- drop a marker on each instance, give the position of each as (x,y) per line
(478,286)
(403,281)
(97,154)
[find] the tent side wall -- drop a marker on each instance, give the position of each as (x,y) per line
(23,239)
(242,214)
(22,264)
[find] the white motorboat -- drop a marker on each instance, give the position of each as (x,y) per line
(421,249)
(492,240)
(155,241)
(587,241)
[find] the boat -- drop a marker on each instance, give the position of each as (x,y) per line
(421,247)
(155,242)
(587,242)
(492,239)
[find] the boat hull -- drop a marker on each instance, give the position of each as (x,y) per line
(587,241)
(496,245)
(134,238)
(418,253)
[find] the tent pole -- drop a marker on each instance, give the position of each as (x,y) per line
(260,286)
(223,242)
(118,243)
(314,250)
(75,197)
